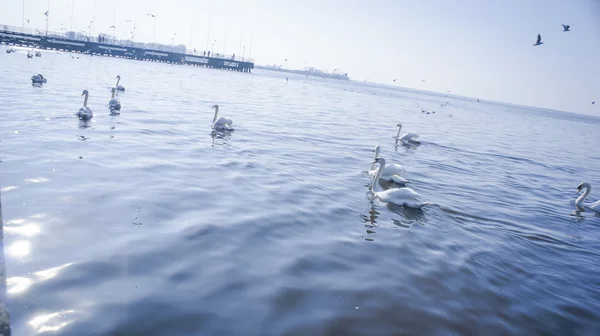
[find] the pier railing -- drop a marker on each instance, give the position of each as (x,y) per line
(85,37)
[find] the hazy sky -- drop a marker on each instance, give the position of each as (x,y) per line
(475,48)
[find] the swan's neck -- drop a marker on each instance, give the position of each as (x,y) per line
(113,94)
(399,129)
(376,155)
(118,80)
(85,100)
(586,193)
(375,184)
(216,113)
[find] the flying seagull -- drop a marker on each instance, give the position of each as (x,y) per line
(394,80)
(46,13)
(127,21)
(566,28)
(151,15)
(593,103)
(539,41)
(27,21)
(112,27)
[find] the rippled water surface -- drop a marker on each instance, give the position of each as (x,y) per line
(145,224)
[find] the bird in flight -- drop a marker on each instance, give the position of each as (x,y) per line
(539,41)
(27,21)
(46,13)
(566,28)
(112,27)
(151,15)
(394,80)
(127,21)
(593,103)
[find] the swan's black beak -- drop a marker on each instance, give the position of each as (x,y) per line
(579,189)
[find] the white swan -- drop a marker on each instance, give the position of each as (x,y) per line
(406,137)
(392,172)
(117,86)
(85,113)
(114,105)
(399,196)
(221,124)
(579,201)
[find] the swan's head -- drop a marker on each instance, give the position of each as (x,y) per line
(398,125)
(85,92)
(380,160)
(215,106)
(376,150)
(118,77)
(583,185)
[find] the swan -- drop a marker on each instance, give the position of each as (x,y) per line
(85,113)
(119,87)
(114,104)
(221,124)
(38,54)
(406,137)
(38,79)
(392,172)
(579,201)
(399,196)
(29,54)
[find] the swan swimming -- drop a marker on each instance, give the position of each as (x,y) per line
(85,113)
(119,87)
(392,172)
(38,79)
(406,137)
(399,196)
(579,201)
(221,124)
(114,105)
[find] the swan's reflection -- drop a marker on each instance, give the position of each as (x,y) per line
(577,213)
(221,138)
(411,146)
(83,124)
(410,214)
(370,222)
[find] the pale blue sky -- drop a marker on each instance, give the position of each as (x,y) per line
(475,48)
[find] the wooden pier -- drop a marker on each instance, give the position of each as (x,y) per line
(78,43)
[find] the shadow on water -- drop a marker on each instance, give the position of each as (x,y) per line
(4,317)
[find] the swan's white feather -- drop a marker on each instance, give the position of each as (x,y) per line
(406,137)
(388,173)
(402,196)
(85,113)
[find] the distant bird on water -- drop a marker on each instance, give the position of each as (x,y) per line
(38,79)
(539,41)
(85,113)
(566,28)
(114,105)
(117,86)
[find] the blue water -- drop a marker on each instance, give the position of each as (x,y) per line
(145,224)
